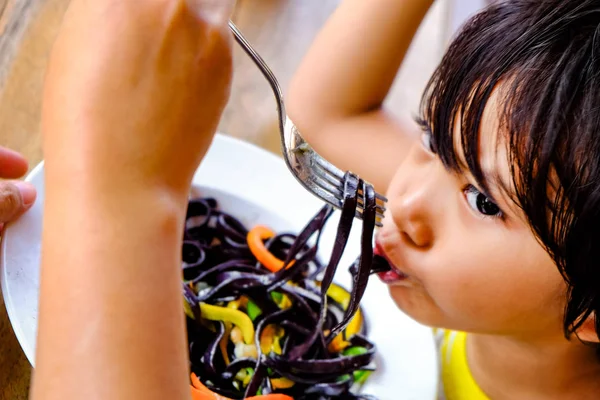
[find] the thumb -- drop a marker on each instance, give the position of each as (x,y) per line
(215,12)
(15,198)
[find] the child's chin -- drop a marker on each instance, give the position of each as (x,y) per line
(416,305)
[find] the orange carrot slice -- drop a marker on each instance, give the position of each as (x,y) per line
(255,239)
(201,392)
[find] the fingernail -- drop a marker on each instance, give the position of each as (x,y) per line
(215,12)
(27,191)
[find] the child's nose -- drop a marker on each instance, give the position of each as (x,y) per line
(410,215)
(416,206)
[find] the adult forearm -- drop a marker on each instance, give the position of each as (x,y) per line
(111,279)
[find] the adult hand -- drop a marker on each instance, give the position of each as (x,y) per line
(142,102)
(15,196)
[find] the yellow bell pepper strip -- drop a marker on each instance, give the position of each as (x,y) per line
(338,344)
(255,239)
(266,339)
(245,375)
(239,303)
(188,309)
(201,392)
(283,301)
(224,342)
(282,383)
(341,296)
(355,325)
(269,339)
(236,317)
(234,305)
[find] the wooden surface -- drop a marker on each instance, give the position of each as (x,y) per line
(281,30)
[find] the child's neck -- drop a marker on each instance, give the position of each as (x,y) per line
(509,368)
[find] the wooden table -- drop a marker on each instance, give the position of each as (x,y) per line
(281,30)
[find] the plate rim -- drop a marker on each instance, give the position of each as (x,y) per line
(15,323)
(224,139)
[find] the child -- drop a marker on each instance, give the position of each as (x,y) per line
(493,217)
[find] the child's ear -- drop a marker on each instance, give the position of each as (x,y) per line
(587,332)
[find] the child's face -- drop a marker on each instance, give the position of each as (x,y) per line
(471,264)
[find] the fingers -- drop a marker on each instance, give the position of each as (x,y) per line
(15,198)
(12,164)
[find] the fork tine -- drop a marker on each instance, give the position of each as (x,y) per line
(337,184)
(379,212)
(359,213)
(335,188)
(335,192)
(330,191)
(327,186)
(378,218)
(369,199)
(378,196)
(327,197)
(329,168)
(379,209)
(332,194)
(337,173)
(331,179)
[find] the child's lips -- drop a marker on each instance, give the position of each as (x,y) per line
(394,274)
(390,277)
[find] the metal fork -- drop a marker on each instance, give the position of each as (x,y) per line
(314,173)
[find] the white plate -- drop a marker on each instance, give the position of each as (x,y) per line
(257,187)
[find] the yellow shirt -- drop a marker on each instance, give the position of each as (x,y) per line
(456,380)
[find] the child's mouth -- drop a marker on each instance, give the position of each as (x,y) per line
(392,275)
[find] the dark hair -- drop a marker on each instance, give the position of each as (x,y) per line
(544,55)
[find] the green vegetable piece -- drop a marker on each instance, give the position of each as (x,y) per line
(361,377)
(355,351)
(253,310)
(277,297)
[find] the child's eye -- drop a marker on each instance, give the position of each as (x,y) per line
(427,141)
(481,203)
(426,136)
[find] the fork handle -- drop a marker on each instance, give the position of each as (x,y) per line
(268,74)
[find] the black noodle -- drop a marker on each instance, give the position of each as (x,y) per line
(219,268)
